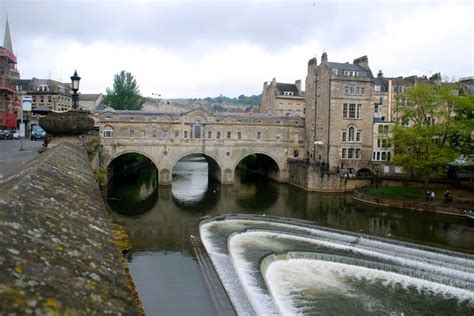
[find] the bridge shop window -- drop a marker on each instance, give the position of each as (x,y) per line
(218,135)
(239,135)
(154,133)
(108,132)
(229,135)
(164,134)
(259,135)
(209,134)
(185,134)
(176,134)
(131,133)
(197,130)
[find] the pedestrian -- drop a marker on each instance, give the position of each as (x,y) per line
(432,197)
(428,193)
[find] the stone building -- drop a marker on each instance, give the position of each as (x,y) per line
(46,93)
(8,72)
(282,99)
(383,104)
(339,113)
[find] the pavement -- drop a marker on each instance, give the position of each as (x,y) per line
(11,157)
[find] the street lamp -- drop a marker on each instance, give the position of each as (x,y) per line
(75,87)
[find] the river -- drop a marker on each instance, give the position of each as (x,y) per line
(159,219)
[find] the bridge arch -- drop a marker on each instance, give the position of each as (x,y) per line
(266,164)
(215,169)
(132,151)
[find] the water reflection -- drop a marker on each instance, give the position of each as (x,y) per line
(135,192)
(192,189)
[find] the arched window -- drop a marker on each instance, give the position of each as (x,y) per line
(108,132)
(351,134)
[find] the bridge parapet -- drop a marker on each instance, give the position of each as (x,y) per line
(58,252)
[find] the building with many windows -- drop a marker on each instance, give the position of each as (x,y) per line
(282,99)
(339,113)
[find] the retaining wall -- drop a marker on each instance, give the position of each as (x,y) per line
(310,177)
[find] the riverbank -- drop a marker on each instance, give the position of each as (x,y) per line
(462,200)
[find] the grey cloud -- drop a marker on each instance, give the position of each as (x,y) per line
(179,25)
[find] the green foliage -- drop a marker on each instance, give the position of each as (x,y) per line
(395,192)
(440,130)
(125,94)
(93,144)
(101,176)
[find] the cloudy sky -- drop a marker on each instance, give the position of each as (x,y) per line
(205,48)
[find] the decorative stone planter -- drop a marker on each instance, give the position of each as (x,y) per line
(74,122)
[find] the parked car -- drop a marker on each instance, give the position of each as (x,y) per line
(16,134)
(6,134)
(37,133)
(364,172)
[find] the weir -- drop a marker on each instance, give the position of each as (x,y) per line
(273,265)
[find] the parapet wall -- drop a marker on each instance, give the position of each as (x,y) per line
(58,254)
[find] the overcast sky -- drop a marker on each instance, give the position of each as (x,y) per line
(205,48)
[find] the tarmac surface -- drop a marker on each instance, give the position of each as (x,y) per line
(11,157)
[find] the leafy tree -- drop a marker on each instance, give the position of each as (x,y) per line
(439,131)
(125,94)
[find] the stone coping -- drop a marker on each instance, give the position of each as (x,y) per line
(58,254)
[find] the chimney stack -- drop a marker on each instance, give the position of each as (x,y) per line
(380,74)
(362,61)
(324,57)
(298,86)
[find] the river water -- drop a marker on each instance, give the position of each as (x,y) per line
(159,219)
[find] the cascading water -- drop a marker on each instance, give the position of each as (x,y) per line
(273,265)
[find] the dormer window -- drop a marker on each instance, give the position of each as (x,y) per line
(288,93)
(377,88)
(42,87)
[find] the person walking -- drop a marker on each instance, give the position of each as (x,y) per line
(432,197)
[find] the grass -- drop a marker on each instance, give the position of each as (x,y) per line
(398,192)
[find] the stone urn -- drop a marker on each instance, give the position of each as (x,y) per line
(74,122)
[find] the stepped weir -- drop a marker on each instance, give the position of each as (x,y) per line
(272,265)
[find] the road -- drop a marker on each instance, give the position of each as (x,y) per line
(11,157)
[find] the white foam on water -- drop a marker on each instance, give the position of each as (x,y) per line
(225,269)
(290,276)
(243,281)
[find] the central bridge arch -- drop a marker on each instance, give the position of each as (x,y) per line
(214,167)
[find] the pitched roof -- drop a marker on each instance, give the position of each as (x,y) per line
(346,66)
(290,87)
(89,96)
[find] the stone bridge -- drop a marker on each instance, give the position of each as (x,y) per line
(223,139)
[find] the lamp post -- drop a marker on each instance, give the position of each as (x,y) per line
(75,87)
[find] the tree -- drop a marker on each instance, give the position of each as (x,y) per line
(439,131)
(125,94)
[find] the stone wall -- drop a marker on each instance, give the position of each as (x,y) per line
(58,254)
(311,177)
